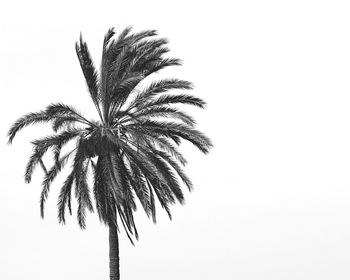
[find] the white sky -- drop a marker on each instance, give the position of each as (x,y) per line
(271,200)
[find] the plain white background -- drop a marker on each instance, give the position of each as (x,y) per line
(271,200)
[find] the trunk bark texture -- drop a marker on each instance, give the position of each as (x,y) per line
(114,273)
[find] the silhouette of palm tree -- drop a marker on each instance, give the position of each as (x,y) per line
(132,149)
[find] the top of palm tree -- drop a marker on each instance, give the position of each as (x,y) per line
(132,149)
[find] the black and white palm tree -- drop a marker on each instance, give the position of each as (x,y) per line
(132,150)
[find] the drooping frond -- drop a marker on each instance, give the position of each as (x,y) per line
(157,173)
(168,129)
(162,196)
(172,187)
(115,175)
(176,167)
(58,139)
(139,185)
(158,143)
(64,198)
(34,159)
(79,176)
(29,119)
(58,114)
(42,145)
(152,203)
(48,179)
(100,190)
(127,205)
(82,192)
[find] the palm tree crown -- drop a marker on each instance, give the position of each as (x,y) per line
(133,149)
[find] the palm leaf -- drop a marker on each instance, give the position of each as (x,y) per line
(89,71)
(169,129)
(50,176)
(160,87)
(175,99)
(64,197)
(29,119)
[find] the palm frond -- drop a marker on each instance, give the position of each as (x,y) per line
(175,99)
(64,197)
(159,87)
(162,111)
(89,71)
(169,129)
(59,139)
(162,197)
(164,175)
(50,176)
(126,225)
(153,140)
(42,145)
(139,158)
(122,91)
(63,122)
(63,110)
(26,120)
(155,66)
(100,190)
(152,203)
(34,159)
(142,53)
(82,193)
(109,35)
(115,175)
(139,185)
(172,188)
(176,167)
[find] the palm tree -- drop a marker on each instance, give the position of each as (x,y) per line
(132,149)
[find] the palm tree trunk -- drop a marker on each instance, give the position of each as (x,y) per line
(113,254)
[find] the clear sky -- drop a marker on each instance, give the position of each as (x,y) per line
(271,200)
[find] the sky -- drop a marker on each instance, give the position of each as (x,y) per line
(272,198)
